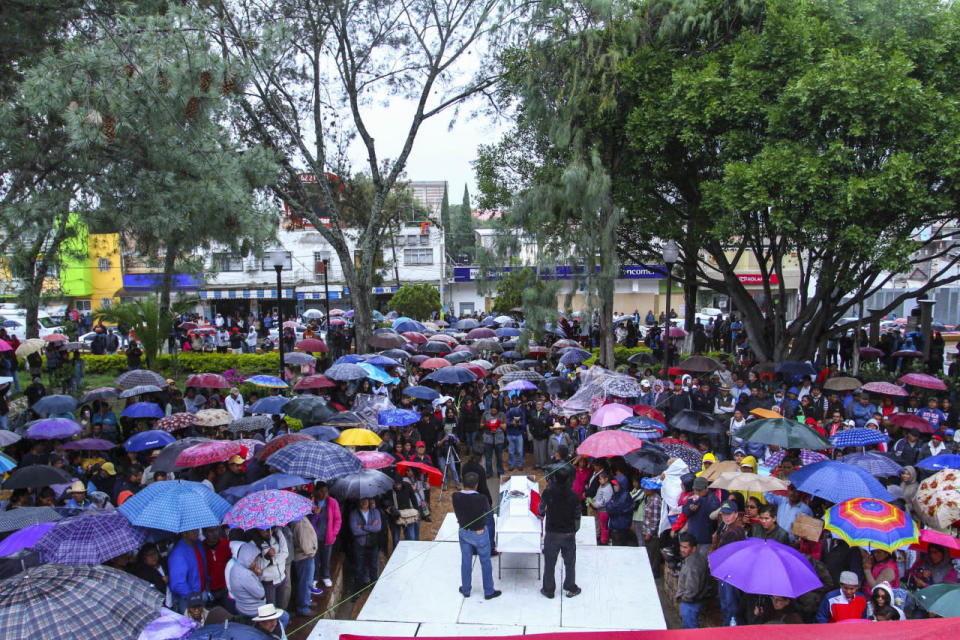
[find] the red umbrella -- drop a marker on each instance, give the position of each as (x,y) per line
(319,381)
(675,371)
(931,536)
(871,353)
(209,452)
(648,411)
(434,363)
(186,326)
(911,421)
(923,380)
(56,337)
(885,388)
(415,337)
(434,475)
(280,442)
(375,459)
(477,370)
(609,444)
(208,381)
(312,345)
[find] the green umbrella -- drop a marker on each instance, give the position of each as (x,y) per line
(789,434)
(942,599)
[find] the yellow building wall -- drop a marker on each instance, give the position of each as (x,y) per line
(106,268)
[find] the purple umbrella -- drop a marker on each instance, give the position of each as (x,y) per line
(89,444)
(520,385)
(785,571)
(25,538)
(90,538)
(53,429)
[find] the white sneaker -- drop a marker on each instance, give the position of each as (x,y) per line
(313,585)
(327,582)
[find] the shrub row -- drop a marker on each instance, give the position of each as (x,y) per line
(245,363)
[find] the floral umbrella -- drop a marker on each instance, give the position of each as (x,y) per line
(375,459)
(266,509)
(213,418)
(176,421)
(938,499)
(208,453)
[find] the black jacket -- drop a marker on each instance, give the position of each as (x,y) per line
(561,507)
(539,423)
(405,499)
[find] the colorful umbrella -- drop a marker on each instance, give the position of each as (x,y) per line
(270,382)
(280,442)
(938,499)
(55,404)
(873,463)
(358,438)
(648,411)
(271,405)
(610,415)
(78,601)
(143,410)
(609,444)
(213,418)
(940,462)
(205,453)
(885,388)
(91,538)
(250,445)
(266,509)
(788,434)
(272,481)
(52,429)
(153,439)
(910,421)
(314,382)
(941,599)
(923,380)
(927,538)
(322,461)
(375,459)
(176,506)
(434,475)
(139,376)
(806,457)
(176,421)
(24,538)
(312,345)
(785,571)
(874,524)
(208,381)
(367,483)
(309,409)
(859,437)
(837,482)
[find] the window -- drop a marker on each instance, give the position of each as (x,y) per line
(411,240)
(425,239)
(265,264)
(318,259)
(227,262)
(106,303)
(103,264)
(418,256)
(82,305)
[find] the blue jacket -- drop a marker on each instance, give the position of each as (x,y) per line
(363,533)
(184,570)
(862,412)
(515,413)
(620,509)
(699,524)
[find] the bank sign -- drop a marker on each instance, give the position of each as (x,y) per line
(627,272)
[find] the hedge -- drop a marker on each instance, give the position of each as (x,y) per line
(621,355)
(245,363)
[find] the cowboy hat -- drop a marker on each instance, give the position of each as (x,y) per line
(267,612)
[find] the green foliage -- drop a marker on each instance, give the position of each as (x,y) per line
(417,301)
(512,289)
(621,356)
(247,363)
(150,322)
(445,212)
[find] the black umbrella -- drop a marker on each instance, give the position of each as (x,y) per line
(345,419)
(644,357)
(699,364)
(696,422)
(309,410)
(396,354)
(36,476)
(435,347)
(386,341)
(649,459)
(368,483)
(167,458)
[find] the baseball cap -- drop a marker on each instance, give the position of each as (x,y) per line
(109,468)
(421,443)
(700,484)
(678,381)
(195,599)
(849,578)
(729,506)
(235,460)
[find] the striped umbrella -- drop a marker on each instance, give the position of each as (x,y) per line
(870,523)
(91,538)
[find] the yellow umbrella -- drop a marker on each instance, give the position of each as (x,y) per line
(765,413)
(358,438)
(28,346)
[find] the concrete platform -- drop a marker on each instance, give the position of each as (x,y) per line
(433,630)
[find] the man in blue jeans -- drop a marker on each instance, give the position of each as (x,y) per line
(471,509)
(516,428)
(693,585)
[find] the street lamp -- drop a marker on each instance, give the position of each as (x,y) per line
(670,255)
(326,292)
(277,258)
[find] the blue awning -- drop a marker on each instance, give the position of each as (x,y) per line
(147,282)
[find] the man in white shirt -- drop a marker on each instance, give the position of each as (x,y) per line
(234,403)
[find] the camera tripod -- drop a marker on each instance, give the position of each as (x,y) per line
(446,465)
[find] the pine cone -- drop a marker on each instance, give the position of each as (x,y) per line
(109,128)
(206,79)
(164,82)
(193,107)
(130,70)
(229,84)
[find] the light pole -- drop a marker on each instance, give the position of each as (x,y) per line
(670,255)
(326,292)
(277,258)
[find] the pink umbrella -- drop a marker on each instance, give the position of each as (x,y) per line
(910,421)
(434,363)
(336,322)
(885,388)
(5,346)
(610,415)
(931,536)
(459,347)
(608,444)
(442,337)
(208,453)
(923,380)
(337,312)
(291,324)
(677,332)
(208,381)
(481,332)
(375,459)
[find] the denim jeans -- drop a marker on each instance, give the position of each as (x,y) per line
(366,564)
(451,463)
(303,574)
(410,532)
(469,438)
(322,562)
(515,449)
(729,601)
(553,545)
(4,422)
(491,452)
(690,613)
(472,543)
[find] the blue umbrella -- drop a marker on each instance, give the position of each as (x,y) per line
(323,461)
(272,481)
(175,505)
(381,360)
(644,433)
(90,538)
(55,404)
(466,324)
(873,463)
(837,482)
(321,432)
(377,374)
(421,393)
(511,355)
(572,355)
(507,332)
(24,538)
(143,410)
(452,375)
(859,437)
(402,326)
(793,370)
(397,320)
(350,358)
(488,322)
(645,422)
(52,429)
(398,417)
(7,463)
(270,382)
(271,405)
(154,439)
(940,462)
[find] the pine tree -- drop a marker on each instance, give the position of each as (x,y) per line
(445,211)
(462,242)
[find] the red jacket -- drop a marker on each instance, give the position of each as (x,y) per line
(217,559)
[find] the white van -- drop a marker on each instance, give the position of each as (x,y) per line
(15,322)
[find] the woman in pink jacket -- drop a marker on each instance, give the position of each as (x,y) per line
(326,522)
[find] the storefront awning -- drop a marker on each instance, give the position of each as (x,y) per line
(148,282)
(244,294)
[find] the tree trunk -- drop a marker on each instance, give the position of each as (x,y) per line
(31,304)
(608,272)
(690,293)
(166,281)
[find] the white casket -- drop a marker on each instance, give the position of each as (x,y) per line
(518,529)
